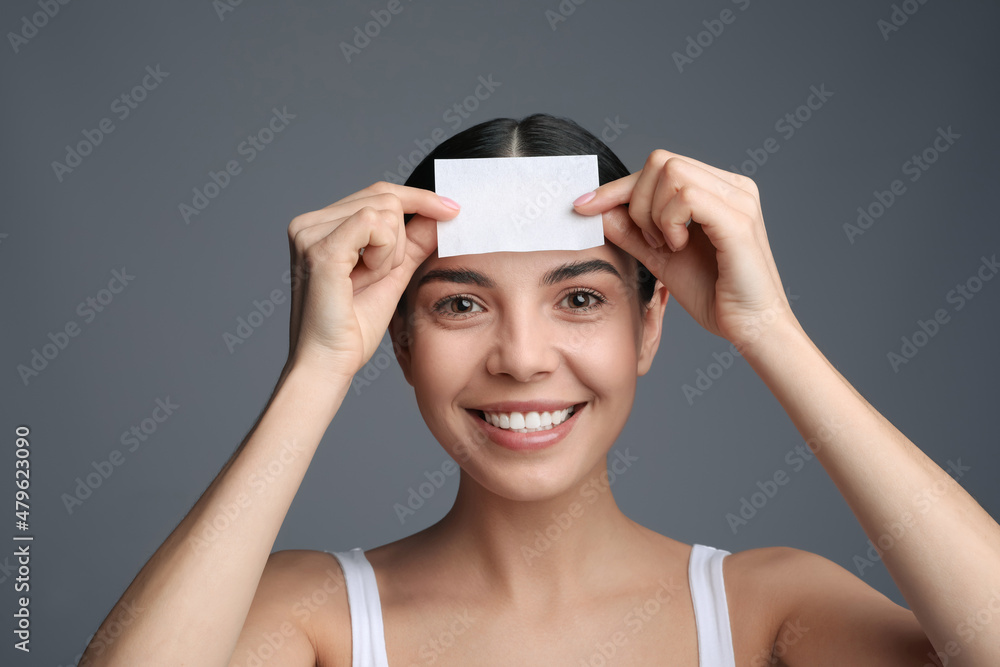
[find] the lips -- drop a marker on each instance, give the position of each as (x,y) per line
(522,439)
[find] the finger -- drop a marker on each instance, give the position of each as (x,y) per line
(327,249)
(609,195)
(736,180)
(635,190)
(619,191)
(381,195)
(410,200)
(641,203)
(696,263)
(371,255)
(413,200)
(421,242)
(378,239)
(620,229)
(676,174)
(647,192)
(719,221)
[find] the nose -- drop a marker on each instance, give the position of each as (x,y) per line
(526,347)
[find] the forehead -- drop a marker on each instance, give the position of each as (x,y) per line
(523,269)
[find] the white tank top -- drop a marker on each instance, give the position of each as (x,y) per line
(711,612)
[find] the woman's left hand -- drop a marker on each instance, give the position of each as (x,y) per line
(721,271)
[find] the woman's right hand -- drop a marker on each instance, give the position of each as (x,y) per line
(342,300)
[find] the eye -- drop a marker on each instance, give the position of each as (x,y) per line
(457,305)
(581,300)
(581,297)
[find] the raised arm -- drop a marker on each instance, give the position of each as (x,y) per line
(700,231)
(189,602)
(940,546)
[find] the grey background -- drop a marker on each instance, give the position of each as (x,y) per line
(163,335)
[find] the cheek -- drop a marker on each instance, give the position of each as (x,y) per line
(442,364)
(442,367)
(604,352)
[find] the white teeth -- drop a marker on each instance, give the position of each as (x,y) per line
(527,422)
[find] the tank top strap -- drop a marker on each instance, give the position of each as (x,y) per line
(711,611)
(367,631)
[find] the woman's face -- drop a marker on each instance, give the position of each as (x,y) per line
(550,328)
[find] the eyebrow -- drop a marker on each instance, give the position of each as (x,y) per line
(556,275)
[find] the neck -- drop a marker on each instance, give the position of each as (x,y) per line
(539,552)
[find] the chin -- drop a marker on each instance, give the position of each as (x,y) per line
(529,481)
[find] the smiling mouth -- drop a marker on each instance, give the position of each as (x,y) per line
(528,422)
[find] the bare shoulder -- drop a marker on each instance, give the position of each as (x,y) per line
(301,603)
(817,608)
(756,605)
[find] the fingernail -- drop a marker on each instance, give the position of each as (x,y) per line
(583,199)
(449,203)
(650,240)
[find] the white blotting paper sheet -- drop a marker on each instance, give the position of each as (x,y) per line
(517,204)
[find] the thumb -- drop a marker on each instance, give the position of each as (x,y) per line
(421,242)
(611,200)
(384,295)
(620,229)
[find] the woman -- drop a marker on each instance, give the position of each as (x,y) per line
(490,339)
